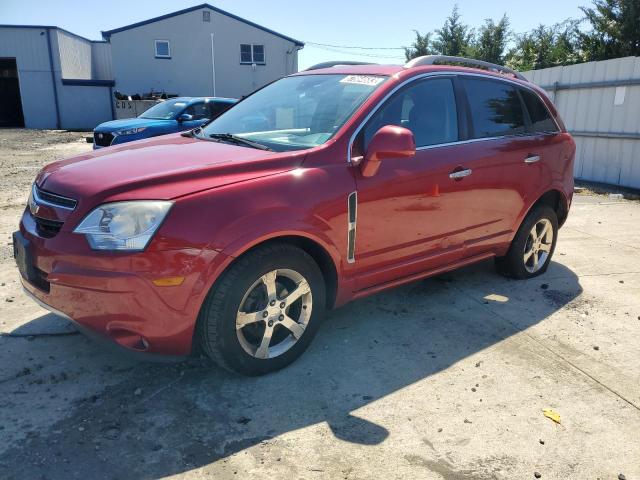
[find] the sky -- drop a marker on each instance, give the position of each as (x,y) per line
(372,24)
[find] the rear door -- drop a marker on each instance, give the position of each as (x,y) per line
(497,156)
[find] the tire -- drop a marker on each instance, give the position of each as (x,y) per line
(513,264)
(244,288)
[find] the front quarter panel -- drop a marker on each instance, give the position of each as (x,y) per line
(305,202)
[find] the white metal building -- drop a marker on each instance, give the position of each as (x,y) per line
(52,78)
(199,51)
(600,104)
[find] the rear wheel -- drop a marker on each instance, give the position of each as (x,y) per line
(264,311)
(533,246)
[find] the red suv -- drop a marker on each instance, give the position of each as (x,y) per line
(320,188)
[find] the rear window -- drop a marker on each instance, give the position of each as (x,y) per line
(541,120)
(496,109)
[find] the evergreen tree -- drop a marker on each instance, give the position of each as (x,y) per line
(491,41)
(615,29)
(454,38)
(545,47)
(422,45)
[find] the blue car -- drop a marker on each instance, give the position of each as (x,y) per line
(170,116)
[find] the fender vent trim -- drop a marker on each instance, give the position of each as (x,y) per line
(352,216)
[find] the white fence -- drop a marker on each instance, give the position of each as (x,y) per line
(600,105)
(132,108)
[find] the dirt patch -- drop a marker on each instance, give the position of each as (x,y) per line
(24,152)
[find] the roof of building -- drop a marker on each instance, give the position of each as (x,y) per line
(52,27)
(108,33)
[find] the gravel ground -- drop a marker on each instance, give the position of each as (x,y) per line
(441,379)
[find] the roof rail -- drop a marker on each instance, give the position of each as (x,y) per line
(433,59)
(318,66)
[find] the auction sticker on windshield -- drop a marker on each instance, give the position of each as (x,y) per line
(362,79)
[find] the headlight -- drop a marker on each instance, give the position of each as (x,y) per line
(130,131)
(124,226)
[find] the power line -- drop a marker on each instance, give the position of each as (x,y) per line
(353,47)
(359,54)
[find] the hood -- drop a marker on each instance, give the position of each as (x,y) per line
(160,168)
(137,122)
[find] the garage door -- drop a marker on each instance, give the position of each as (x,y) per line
(10,104)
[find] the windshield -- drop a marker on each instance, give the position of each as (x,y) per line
(166,110)
(297,112)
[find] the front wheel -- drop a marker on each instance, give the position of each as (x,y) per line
(264,311)
(533,246)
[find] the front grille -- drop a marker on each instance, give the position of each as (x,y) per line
(47,228)
(102,139)
(42,196)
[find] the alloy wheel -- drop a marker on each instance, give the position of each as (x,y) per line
(274,313)
(538,245)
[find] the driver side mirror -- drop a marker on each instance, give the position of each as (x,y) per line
(390,142)
(184,117)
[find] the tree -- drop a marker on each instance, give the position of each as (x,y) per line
(454,38)
(615,29)
(491,41)
(545,47)
(422,45)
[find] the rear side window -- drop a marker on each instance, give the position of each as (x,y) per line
(427,108)
(541,120)
(496,109)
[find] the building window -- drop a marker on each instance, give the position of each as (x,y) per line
(250,54)
(163,50)
(206,16)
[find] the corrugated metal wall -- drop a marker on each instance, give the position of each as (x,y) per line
(101,68)
(46,57)
(600,105)
(30,49)
(75,55)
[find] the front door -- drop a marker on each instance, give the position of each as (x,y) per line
(200,114)
(410,214)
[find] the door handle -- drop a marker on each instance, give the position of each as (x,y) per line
(460,174)
(532,159)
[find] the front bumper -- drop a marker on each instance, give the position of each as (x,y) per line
(112,295)
(107,343)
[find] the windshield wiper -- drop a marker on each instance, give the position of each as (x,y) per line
(229,137)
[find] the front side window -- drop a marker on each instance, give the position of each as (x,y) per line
(297,112)
(198,111)
(163,49)
(541,120)
(250,54)
(216,108)
(495,106)
(427,108)
(166,110)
